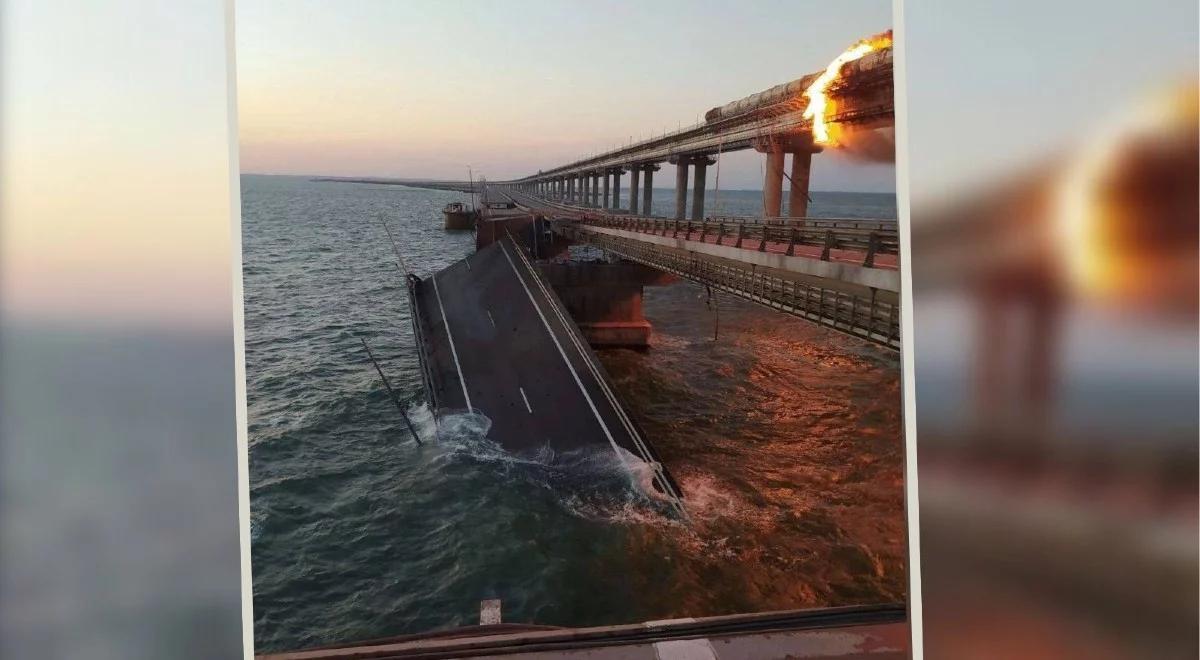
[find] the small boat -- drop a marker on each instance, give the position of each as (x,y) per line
(459,217)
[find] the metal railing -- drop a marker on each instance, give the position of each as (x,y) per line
(874,315)
(871,240)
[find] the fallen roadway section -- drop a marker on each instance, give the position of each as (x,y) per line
(495,340)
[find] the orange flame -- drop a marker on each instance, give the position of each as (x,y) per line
(820,108)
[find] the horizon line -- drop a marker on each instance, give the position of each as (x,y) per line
(400,180)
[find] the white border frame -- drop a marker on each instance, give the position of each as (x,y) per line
(912,509)
(239,332)
(907,356)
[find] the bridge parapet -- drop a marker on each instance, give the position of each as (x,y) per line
(865,312)
(870,241)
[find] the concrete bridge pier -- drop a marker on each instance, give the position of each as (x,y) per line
(801,148)
(606,190)
(605,300)
(596,189)
(634,170)
(584,180)
(698,183)
(648,189)
(681,184)
(616,194)
(798,193)
(773,184)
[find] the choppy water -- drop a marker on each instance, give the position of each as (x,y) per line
(786,439)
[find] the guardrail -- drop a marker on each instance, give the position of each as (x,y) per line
(874,316)
(830,235)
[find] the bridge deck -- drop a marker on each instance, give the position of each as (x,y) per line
(858,300)
(496,340)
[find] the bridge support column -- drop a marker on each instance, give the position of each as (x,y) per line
(616,195)
(633,188)
(773,184)
(648,190)
(698,183)
(583,189)
(606,190)
(596,189)
(681,184)
(605,300)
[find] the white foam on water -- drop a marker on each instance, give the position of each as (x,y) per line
(707,499)
(460,425)
(591,483)
(423,421)
(621,490)
(642,475)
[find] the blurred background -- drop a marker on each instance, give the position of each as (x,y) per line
(1052,163)
(1053,176)
(118,454)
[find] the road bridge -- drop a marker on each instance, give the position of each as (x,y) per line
(495,340)
(842,274)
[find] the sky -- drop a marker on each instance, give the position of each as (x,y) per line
(426,89)
(991,92)
(114,162)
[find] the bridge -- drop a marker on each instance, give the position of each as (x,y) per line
(841,273)
(507,332)
(772,122)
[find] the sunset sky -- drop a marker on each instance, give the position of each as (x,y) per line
(425,89)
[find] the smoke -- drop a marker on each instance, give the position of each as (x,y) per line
(871,145)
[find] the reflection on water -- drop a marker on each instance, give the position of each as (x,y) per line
(785,438)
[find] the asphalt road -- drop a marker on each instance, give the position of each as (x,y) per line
(498,342)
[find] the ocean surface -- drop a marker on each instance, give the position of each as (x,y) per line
(786,439)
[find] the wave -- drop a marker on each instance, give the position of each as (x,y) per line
(593,483)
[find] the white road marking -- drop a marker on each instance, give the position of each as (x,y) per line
(526,399)
(563,353)
(630,429)
(685,649)
(489,313)
(450,337)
